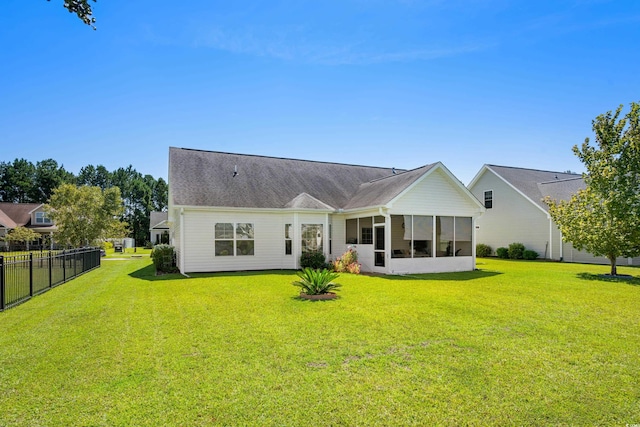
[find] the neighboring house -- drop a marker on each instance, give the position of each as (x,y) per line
(515,211)
(29,215)
(158,228)
(244,212)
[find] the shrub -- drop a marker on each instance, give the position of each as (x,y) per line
(148,245)
(313,259)
(316,282)
(107,245)
(502,253)
(163,257)
(528,254)
(483,250)
(348,262)
(516,250)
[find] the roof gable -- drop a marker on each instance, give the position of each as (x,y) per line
(381,191)
(305,201)
(536,184)
(157,218)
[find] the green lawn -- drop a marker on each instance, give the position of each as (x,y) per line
(516,343)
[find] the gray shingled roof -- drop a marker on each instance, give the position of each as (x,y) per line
(206,178)
(537,184)
(19,214)
(381,191)
(155,218)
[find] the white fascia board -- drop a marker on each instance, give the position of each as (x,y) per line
(450,176)
(475,179)
(35,209)
(257,210)
(518,191)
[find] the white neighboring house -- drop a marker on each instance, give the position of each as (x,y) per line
(231,212)
(158,227)
(515,211)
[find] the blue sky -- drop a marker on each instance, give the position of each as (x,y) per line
(385,83)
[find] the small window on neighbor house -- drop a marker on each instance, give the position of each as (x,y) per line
(488,199)
(42,218)
(288,241)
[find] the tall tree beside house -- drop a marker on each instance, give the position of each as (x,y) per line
(22,235)
(86,214)
(24,182)
(604,218)
(48,176)
(16,181)
(95,176)
(139,200)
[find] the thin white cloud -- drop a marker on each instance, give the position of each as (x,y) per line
(295,45)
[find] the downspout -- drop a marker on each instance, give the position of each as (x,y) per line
(296,240)
(182,241)
(561,247)
(550,238)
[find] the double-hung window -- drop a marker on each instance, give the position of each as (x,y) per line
(42,218)
(488,199)
(234,239)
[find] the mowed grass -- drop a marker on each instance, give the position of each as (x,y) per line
(516,343)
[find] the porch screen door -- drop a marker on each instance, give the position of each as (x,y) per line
(378,245)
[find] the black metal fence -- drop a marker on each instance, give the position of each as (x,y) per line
(23,276)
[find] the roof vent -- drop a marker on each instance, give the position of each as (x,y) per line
(393,171)
(235,171)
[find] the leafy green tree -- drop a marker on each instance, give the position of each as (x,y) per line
(604,218)
(48,176)
(22,234)
(95,176)
(86,214)
(82,8)
(17,181)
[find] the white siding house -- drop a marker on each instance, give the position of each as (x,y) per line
(515,211)
(230,212)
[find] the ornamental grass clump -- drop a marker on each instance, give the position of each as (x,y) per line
(316,282)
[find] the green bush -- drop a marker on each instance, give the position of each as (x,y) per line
(148,245)
(516,250)
(502,253)
(483,250)
(316,282)
(164,258)
(528,254)
(107,245)
(313,259)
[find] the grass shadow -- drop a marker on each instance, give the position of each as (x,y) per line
(453,277)
(149,273)
(630,280)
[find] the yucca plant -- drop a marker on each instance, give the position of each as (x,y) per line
(316,282)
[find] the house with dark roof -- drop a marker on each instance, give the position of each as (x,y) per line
(158,227)
(515,211)
(232,212)
(29,215)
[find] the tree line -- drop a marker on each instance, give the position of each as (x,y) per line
(21,181)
